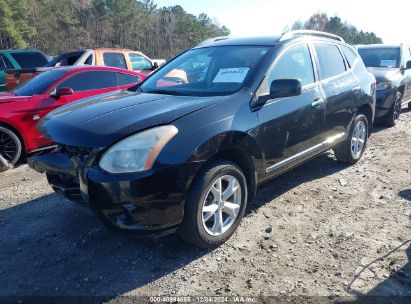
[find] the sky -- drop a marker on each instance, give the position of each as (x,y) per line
(389,20)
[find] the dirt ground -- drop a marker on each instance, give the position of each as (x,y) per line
(323,229)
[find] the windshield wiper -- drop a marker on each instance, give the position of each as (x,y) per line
(167,92)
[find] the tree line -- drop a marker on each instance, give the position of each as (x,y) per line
(54,26)
(334,25)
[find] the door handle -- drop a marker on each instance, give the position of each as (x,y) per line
(356,88)
(317,102)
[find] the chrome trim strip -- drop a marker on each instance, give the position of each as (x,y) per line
(43,149)
(327,142)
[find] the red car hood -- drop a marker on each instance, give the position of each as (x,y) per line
(10,97)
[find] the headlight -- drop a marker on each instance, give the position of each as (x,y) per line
(138,152)
(383,85)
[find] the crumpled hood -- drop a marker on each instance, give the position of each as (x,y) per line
(384,73)
(102,120)
(10,97)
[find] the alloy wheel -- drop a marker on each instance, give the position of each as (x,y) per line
(397,109)
(221,205)
(358,139)
(10,146)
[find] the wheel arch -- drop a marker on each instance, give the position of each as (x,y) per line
(18,133)
(235,146)
(367,111)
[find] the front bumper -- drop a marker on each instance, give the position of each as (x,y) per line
(149,202)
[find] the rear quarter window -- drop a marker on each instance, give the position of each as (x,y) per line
(331,62)
(5,63)
(127,79)
(30,59)
(349,55)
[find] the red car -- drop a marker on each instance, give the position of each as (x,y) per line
(21,109)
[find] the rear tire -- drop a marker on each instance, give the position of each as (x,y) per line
(215,205)
(392,117)
(10,145)
(351,150)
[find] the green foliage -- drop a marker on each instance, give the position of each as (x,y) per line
(14,30)
(334,25)
(55,26)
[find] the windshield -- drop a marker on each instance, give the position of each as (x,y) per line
(206,72)
(40,83)
(380,57)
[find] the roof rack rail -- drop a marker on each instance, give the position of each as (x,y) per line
(214,39)
(291,34)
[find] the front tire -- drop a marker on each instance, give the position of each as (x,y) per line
(351,150)
(215,205)
(392,117)
(10,145)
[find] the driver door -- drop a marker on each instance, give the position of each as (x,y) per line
(291,128)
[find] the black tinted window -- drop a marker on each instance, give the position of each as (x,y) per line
(67,59)
(2,64)
(349,55)
(40,83)
(295,63)
(92,80)
(116,60)
(126,79)
(89,60)
(5,63)
(30,59)
(330,60)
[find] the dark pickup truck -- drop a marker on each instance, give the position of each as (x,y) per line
(12,62)
(391,66)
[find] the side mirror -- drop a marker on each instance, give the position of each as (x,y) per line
(280,88)
(63,92)
(155,65)
(285,88)
(408,65)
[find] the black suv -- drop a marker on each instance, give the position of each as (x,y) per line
(391,66)
(185,150)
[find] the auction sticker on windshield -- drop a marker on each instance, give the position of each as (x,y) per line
(236,75)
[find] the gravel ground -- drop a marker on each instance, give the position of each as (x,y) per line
(323,229)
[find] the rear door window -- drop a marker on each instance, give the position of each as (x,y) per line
(116,60)
(139,62)
(30,59)
(92,80)
(127,79)
(331,62)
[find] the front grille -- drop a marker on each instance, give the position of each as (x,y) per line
(68,186)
